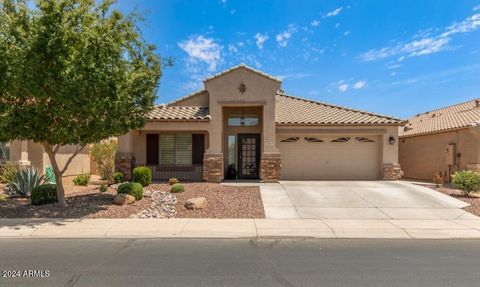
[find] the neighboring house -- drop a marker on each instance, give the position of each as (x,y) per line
(28,153)
(441,141)
(244,120)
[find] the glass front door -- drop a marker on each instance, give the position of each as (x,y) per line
(248,156)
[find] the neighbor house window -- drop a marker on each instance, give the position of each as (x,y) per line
(175,148)
(242,121)
(4,151)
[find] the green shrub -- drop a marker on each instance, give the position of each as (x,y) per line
(82,179)
(467,181)
(142,175)
(103,188)
(177,187)
(2,198)
(118,177)
(24,181)
(132,188)
(44,194)
(103,154)
(8,172)
(173,180)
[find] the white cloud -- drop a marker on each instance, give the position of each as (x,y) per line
(233,11)
(360,84)
(315,23)
(232,48)
(295,76)
(424,43)
(476,8)
(260,40)
(283,37)
(202,50)
(337,25)
(346,33)
(334,12)
(343,87)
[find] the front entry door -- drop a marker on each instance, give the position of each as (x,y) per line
(248,156)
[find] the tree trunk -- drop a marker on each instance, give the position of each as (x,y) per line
(58,174)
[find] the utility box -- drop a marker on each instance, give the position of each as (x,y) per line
(451,152)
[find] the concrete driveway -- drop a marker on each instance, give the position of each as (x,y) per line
(358,200)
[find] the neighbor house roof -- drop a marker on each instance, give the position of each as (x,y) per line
(289,110)
(179,113)
(292,110)
(450,118)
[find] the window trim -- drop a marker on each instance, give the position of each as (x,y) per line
(242,120)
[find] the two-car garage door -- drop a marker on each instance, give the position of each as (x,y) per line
(329,157)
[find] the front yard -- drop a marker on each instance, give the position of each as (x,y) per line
(473,199)
(158,202)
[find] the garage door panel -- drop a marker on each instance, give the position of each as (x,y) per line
(329,160)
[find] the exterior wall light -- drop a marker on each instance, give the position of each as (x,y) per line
(391,140)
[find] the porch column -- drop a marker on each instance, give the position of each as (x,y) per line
(270,161)
(213,158)
(391,167)
(125,157)
(19,153)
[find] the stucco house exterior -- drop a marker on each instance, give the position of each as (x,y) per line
(441,141)
(28,153)
(244,120)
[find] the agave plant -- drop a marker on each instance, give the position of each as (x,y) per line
(25,180)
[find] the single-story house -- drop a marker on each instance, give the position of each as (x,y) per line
(243,120)
(441,141)
(28,153)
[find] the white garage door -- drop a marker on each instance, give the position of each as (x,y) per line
(329,157)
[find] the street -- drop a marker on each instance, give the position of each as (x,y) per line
(159,262)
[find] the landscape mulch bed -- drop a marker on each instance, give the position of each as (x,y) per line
(82,202)
(222,201)
(473,200)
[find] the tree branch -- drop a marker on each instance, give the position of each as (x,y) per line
(79,149)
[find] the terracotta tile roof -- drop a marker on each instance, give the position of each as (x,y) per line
(294,110)
(179,113)
(242,66)
(450,118)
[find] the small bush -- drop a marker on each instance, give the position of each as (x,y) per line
(8,172)
(44,194)
(82,179)
(132,188)
(2,197)
(467,181)
(173,180)
(103,154)
(142,175)
(118,177)
(103,188)
(177,187)
(24,181)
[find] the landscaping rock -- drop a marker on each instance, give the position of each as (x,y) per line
(196,203)
(162,206)
(122,199)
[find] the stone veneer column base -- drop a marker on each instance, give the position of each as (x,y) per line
(270,167)
(125,163)
(392,171)
(213,167)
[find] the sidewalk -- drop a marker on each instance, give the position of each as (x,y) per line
(239,228)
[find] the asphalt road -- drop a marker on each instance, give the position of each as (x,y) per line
(155,262)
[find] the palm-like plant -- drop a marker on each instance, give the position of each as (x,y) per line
(25,180)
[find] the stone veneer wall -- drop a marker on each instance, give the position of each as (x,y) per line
(124,163)
(270,167)
(213,167)
(392,172)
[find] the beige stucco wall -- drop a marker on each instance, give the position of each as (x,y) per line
(223,92)
(199,99)
(423,156)
(30,153)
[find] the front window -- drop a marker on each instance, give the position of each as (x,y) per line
(231,149)
(243,121)
(4,151)
(175,149)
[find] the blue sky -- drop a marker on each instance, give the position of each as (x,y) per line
(392,57)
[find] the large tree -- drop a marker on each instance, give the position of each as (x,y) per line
(72,72)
